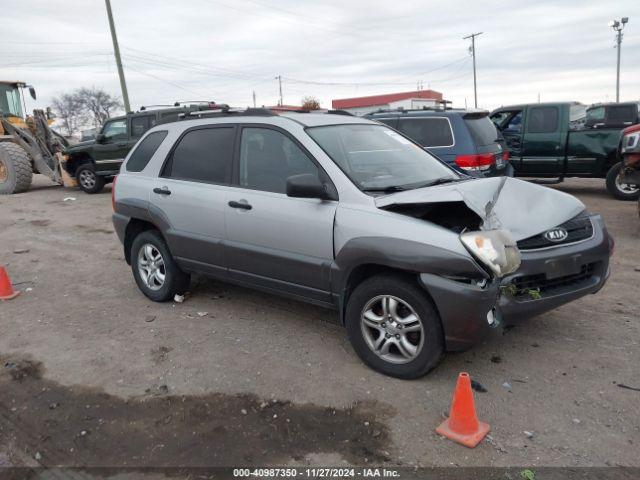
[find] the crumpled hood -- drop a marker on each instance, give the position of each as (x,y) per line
(524,208)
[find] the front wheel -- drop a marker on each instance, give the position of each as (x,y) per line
(394,327)
(619,189)
(88,180)
(154,269)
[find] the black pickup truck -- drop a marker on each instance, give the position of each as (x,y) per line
(559,140)
(96,162)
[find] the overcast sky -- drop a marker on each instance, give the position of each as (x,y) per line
(223,50)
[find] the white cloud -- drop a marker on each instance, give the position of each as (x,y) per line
(225,49)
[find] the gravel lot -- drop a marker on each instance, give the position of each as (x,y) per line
(95,374)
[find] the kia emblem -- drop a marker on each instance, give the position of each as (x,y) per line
(556,234)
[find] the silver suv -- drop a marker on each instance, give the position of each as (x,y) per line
(349,214)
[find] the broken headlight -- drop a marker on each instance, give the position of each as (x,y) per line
(496,249)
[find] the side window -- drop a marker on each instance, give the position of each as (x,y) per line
(622,113)
(169,117)
(392,122)
(543,120)
(139,125)
(115,130)
(428,132)
(202,155)
(268,158)
(144,151)
(514,124)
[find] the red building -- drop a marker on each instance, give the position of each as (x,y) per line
(364,105)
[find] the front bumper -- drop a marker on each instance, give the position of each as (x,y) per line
(463,309)
(562,274)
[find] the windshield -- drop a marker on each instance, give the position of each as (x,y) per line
(375,157)
(10,100)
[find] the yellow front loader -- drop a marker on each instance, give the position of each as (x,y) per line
(27,143)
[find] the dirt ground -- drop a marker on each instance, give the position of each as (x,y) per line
(93,373)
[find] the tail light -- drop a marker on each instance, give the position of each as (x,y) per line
(505,155)
(113,193)
(475,162)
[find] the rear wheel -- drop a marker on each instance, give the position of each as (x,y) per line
(154,269)
(15,169)
(619,189)
(394,327)
(88,180)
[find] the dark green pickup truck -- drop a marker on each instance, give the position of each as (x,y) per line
(558,140)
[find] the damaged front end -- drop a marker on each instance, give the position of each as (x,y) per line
(490,217)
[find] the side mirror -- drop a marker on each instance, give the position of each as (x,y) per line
(306,185)
(99,138)
(32,92)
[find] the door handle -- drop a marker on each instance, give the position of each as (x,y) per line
(121,144)
(241,204)
(162,191)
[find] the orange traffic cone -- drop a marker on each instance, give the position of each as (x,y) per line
(463,426)
(6,290)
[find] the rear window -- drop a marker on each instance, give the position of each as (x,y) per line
(483,131)
(428,132)
(203,155)
(144,151)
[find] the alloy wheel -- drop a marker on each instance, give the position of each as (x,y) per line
(392,329)
(87,179)
(151,266)
(626,188)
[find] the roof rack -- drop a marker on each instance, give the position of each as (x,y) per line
(440,106)
(340,112)
(224,109)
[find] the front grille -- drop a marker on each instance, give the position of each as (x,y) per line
(540,282)
(578,228)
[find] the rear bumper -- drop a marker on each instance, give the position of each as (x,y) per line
(562,274)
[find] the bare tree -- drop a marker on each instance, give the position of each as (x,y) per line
(98,104)
(310,103)
(70,112)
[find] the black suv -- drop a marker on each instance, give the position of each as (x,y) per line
(94,163)
(465,139)
(613,115)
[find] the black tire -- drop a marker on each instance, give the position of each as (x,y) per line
(616,189)
(175,280)
(15,169)
(88,180)
(409,292)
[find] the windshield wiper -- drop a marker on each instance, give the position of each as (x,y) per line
(430,183)
(390,188)
(412,186)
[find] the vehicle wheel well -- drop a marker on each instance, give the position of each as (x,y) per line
(75,161)
(134,228)
(610,161)
(362,272)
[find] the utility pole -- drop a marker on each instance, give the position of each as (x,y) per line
(473,54)
(618,25)
(279,78)
(116,51)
